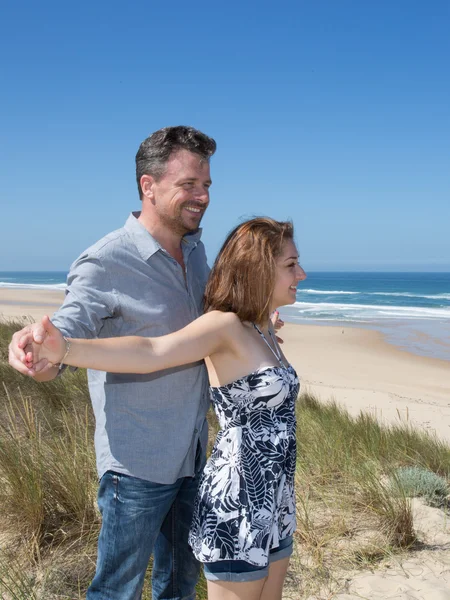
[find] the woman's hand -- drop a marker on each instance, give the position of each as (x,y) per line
(50,351)
(277,324)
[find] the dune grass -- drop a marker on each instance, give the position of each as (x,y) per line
(353,501)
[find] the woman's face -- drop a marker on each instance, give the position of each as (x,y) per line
(288,274)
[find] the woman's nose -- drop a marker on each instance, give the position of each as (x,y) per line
(301,275)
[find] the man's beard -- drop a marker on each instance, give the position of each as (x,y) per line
(177,225)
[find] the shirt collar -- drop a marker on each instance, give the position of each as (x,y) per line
(146,244)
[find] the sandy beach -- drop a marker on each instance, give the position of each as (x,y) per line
(356,367)
(29,303)
(360,370)
(363,372)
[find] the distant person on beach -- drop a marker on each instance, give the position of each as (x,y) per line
(145,279)
(244,516)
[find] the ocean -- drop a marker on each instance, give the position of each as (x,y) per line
(412,310)
(41,280)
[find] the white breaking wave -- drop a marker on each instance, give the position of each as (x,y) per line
(33,286)
(409,295)
(302,291)
(337,311)
(400,294)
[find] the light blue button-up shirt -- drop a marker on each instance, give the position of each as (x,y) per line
(147,426)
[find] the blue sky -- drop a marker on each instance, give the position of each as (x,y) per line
(333,113)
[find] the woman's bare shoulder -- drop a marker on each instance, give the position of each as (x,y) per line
(229,328)
(223,320)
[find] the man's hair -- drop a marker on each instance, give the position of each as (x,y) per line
(243,276)
(155,151)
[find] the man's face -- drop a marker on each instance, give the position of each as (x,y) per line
(181,195)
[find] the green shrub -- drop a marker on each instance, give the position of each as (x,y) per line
(416,481)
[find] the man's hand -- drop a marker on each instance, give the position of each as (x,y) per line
(277,323)
(21,343)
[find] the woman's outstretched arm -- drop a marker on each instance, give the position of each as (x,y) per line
(204,336)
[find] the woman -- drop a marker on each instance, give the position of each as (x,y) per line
(244,516)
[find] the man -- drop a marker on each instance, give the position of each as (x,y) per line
(146,279)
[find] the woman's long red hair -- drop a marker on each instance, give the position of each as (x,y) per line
(243,276)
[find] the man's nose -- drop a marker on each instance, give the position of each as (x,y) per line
(202,195)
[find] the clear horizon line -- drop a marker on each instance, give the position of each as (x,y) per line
(312,270)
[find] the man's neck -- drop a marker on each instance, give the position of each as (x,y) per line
(170,241)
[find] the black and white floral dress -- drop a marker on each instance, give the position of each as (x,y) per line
(246,502)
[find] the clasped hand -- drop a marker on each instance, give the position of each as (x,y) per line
(48,349)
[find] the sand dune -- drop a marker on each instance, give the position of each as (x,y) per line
(421,575)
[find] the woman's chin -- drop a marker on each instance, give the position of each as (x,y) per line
(293,298)
(286,301)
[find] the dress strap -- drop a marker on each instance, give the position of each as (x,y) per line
(275,350)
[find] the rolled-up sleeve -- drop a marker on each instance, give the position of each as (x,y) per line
(90,299)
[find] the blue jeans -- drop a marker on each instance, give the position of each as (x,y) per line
(140,518)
